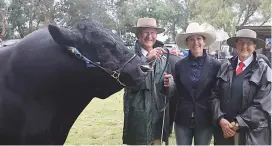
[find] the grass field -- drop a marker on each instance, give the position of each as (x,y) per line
(101,123)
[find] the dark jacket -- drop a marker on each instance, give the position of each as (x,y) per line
(173,59)
(189,100)
(265,52)
(143,122)
(255,112)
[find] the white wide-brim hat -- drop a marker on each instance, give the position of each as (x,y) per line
(246,33)
(195,29)
(146,23)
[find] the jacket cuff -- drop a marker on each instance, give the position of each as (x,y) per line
(172,86)
(240,121)
(221,117)
(216,120)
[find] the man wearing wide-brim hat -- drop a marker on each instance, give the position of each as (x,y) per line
(143,121)
(146,23)
(241,103)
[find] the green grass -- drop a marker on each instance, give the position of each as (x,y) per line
(101,123)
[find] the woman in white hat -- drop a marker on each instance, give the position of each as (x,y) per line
(195,77)
(143,122)
(241,103)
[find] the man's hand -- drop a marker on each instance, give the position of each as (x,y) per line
(226,128)
(155,53)
(166,79)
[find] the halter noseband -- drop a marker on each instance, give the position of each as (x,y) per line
(115,74)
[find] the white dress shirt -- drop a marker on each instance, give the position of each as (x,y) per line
(144,52)
(246,62)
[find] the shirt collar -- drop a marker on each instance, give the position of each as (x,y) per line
(191,57)
(144,52)
(247,61)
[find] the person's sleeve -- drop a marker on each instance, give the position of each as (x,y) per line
(215,102)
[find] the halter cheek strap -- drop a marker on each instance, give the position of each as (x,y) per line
(114,74)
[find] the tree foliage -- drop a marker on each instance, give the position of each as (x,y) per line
(24,16)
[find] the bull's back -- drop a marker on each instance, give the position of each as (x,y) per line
(5,53)
(33,41)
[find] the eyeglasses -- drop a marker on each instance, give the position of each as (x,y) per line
(149,33)
(242,43)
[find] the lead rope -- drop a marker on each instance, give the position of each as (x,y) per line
(153,82)
(164,110)
(163,120)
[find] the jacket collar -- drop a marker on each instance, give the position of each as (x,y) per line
(247,61)
(191,57)
(255,76)
(233,61)
(207,68)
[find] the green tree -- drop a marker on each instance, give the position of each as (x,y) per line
(26,16)
(72,11)
(3,17)
(125,19)
(175,14)
(18,17)
(227,14)
(256,12)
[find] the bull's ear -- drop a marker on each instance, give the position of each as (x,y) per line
(62,36)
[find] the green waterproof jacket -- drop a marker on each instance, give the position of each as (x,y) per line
(142,120)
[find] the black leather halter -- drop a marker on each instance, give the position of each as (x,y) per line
(115,74)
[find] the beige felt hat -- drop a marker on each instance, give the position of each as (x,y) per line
(246,33)
(146,23)
(195,29)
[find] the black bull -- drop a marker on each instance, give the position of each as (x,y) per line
(43,88)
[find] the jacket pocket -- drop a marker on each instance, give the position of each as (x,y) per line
(259,136)
(224,89)
(162,100)
(137,101)
(249,92)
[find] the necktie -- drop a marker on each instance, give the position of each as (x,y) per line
(240,68)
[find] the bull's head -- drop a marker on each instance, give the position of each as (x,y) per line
(101,45)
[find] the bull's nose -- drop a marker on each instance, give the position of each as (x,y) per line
(146,68)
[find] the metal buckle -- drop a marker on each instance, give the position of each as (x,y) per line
(116,76)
